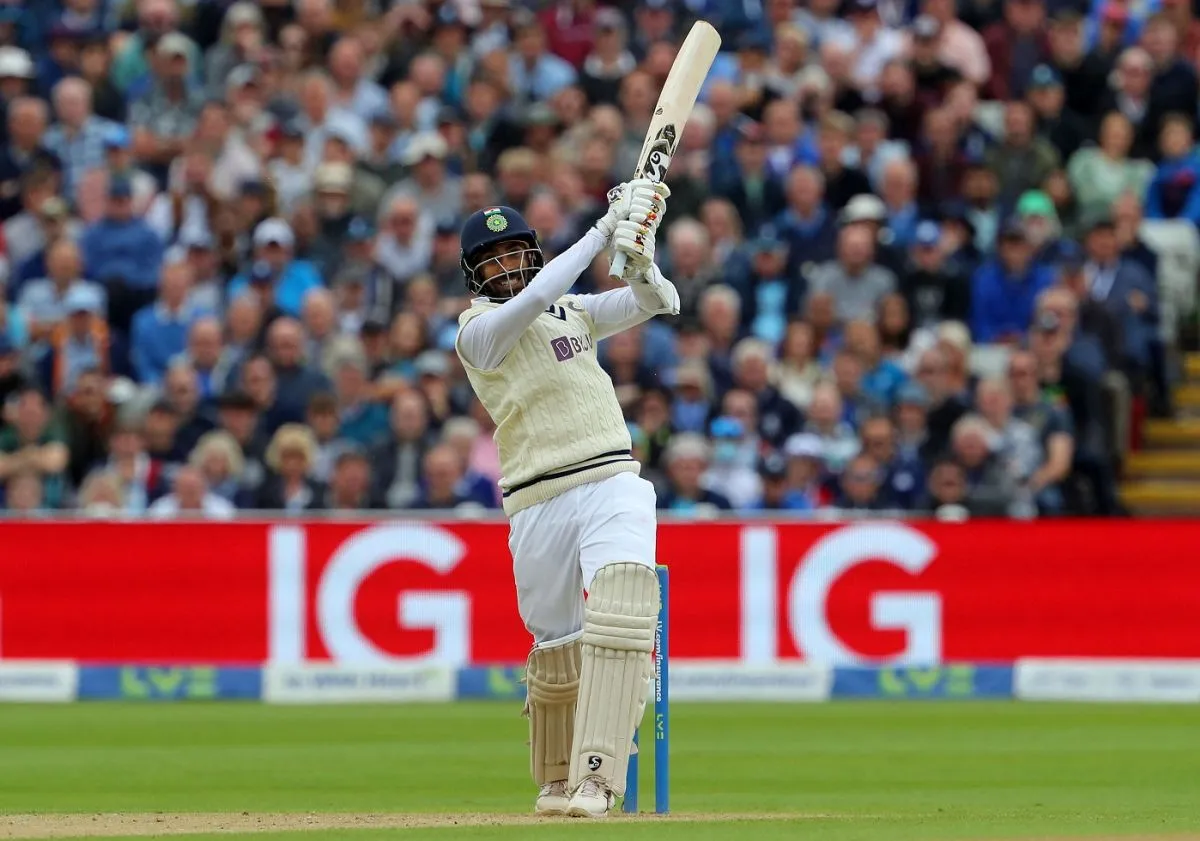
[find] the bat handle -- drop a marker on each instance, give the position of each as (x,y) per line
(616,269)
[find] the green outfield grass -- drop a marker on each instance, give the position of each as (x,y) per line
(885,770)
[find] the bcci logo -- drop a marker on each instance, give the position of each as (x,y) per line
(495,220)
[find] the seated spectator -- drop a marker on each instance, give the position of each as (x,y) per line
(903,475)
(182,391)
(854,280)
(27,118)
(1013,441)
(1023,160)
(881,378)
(42,301)
(826,421)
(322,417)
(798,370)
(777,417)
(805,225)
(691,397)
(806,464)
(239,415)
(1043,228)
(123,253)
(23,493)
(295,381)
(441,483)
(361,419)
(860,486)
(719,319)
(1063,127)
(282,279)
(911,429)
(291,457)
(1100,174)
(191,498)
(33,442)
(100,496)
(461,434)
(733,462)
(1003,290)
(159,332)
(991,491)
(768,298)
(687,462)
(140,478)
(946,402)
(899,192)
(351,482)
(12,379)
(405,243)
(206,352)
(777,493)
(55,223)
(946,493)
(398,459)
(894,329)
(1174,191)
(77,136)
(1051,424)
(319,319)
(160,432)
(219,459)
(86,420)
(78,343)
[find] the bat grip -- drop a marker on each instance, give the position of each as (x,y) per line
(616,269)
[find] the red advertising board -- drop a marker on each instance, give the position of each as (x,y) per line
(758,591)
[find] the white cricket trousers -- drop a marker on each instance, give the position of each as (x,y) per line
(559,545)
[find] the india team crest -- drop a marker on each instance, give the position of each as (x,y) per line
(495,220)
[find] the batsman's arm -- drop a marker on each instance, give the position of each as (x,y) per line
(487,339)
(629,306)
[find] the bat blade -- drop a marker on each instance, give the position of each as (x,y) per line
(675,104)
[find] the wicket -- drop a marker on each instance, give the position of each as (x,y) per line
(662,715)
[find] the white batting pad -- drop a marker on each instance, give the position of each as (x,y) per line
(552,687)
(618,636)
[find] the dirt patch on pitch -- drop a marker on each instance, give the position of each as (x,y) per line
(151,824)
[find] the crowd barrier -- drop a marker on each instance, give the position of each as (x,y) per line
(1142,681)
(758,592)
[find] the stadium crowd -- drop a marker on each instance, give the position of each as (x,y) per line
(230,238)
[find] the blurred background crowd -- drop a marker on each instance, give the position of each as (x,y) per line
(920,247)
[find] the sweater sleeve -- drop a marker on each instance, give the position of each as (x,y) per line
(487,339)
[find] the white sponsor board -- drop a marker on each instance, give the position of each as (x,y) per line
(733,681)
(1154,681)
(348,684)
(40,682)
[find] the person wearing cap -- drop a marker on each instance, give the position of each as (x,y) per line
(164,117)
(118,154)
(1065,129)
(777,493)
(124,253)
(342,148)
(935,288)
(287,280)
(1043,228)
(1003,290)
(377,158)
(79,343)
(438,192)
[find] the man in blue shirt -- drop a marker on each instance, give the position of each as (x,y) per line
(291,279)
(123,252)
(160,331)
(1003,290)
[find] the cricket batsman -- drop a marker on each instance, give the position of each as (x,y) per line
(581,518)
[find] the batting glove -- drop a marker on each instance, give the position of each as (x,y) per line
(654,293)
(636,241)
(620,200)
(648,202)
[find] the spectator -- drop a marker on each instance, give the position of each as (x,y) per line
(77,137)
(934,288)
(687,462)
(42,302)
(123,253)
(1126,291)
(903,474)
(1013,441)
(732,467)
(990,490)
(825,421)
(805,225)
(441,485)
(239,415)
(1003,290)
(33,443)
(85,421)
(1174,190)
(160,331)
(798,370)
(278,278)
(399,458)
(190,497)
(1100,174)
(218,458)
(291,457)
(946,493)
(100,496)
(24,493)
(139,477)
(1129,94)
(361,420)
(860,486)
(166,114)
(350,484)
(80,342)
(1023,161)
(958,45)
(856,282)
(193,418)
(1065,129)
(1051,424)
(206,352)
(1015,45)
(25,150)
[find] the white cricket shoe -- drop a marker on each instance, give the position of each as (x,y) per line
(552,799)
(592,799)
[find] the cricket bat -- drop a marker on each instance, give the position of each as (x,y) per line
(675,103)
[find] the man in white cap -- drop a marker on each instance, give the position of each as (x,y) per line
(275,266)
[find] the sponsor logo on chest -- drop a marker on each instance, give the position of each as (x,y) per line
(568,346)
